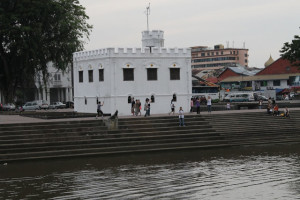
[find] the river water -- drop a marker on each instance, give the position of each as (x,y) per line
(271,172)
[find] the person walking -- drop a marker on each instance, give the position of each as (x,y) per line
(208,104)
(181,117)
(99,111)
(172,108)
(198,105)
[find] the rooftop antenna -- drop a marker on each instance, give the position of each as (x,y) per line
(148,13)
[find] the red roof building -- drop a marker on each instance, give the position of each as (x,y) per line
(280,66)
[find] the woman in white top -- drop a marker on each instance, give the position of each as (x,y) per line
(209,104)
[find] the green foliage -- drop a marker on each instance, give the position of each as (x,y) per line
(291,51)
(215,100)
(34,32)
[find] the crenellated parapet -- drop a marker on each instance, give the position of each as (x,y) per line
(131,52)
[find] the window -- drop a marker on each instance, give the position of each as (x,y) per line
(90,75)
(101,74)
(174,73)
(151,74)
(129,99)
(263,83)
(276,83)
(152,99)
(128,75)
(288,68)
(80,76)
(202,54)
(57,77)
(217,53)
(246,60)
(174,98)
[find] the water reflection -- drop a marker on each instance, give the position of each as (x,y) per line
(239,173)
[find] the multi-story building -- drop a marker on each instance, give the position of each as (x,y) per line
(203,56)
(59,85)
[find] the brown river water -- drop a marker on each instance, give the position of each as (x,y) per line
(271,172)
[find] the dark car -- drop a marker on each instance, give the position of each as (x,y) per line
(69,104)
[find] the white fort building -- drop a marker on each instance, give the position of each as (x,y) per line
(115,75)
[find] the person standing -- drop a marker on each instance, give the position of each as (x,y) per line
(208,104)
(228,106)
(260,104)
(99,111)
(132,105)
(147,107)
(198,105)
(181,117)
(192,105)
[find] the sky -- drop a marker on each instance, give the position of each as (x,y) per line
(263,26)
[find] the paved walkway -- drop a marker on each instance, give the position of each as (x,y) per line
(14,119)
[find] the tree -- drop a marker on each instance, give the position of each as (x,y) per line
(291,51)
(34,32)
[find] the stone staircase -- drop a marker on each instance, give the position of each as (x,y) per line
(86,138)
(90,138)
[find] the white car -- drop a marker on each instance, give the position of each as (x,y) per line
(9,106)
(31,106)
(57,105)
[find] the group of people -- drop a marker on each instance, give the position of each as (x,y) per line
(197,102)
(136,107)
(273,109)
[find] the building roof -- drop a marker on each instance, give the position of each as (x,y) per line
(239,69)
(280,66)
(269,61)
(259,77)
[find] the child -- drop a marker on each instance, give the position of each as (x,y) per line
(228,106)
(181,117)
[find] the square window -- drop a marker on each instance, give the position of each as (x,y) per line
(80,73)
(128,75)
(174,73)
(276,83)
(90,75)
(152,74)
(101,74)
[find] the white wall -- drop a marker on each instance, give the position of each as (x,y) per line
(114,91)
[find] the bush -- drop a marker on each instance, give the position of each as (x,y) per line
(215,100)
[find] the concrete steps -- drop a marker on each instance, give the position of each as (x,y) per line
(88,138)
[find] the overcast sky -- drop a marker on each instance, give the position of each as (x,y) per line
(263,25)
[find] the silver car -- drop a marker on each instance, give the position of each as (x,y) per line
(31,106)
(9,106)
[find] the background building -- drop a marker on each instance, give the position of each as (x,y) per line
(202,56)
(58,86)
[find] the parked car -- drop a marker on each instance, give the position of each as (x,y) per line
(57,105)
(31,106)
(263,98)
(9,106)
(69,104)
(42,104)
(239,97)
(1,106)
